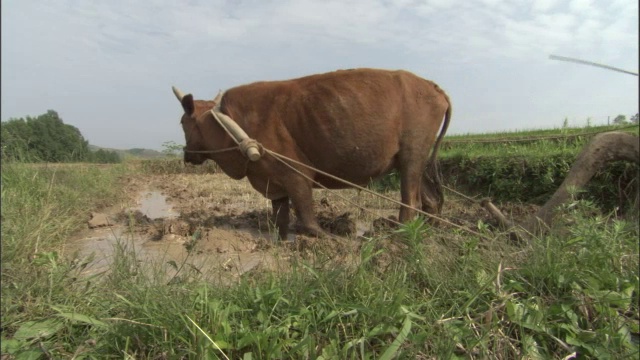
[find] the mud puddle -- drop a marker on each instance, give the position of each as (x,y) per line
(151,236)
(154,205)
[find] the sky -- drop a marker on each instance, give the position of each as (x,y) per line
(107,67)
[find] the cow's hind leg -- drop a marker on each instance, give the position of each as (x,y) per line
(281,216)
(410,186)
(431,191)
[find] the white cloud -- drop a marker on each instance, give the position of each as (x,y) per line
(558,21)
(580,5)
(543,5)
(123,55)
(132,28)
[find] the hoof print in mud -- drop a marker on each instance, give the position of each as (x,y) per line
(170,230)
(177,227)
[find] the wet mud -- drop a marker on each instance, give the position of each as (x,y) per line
(213,226)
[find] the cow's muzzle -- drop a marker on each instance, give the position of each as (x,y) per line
(192,158)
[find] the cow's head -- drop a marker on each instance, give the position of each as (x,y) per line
(194,113)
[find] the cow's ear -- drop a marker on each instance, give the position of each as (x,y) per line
(187,104)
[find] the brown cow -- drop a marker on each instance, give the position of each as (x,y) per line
(356,124)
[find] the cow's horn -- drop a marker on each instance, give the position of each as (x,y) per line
(179,94)
(218,97)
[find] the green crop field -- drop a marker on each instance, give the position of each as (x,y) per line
(529,166)
(417,292)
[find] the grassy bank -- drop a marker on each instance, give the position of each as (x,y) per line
(420,292)
(530,169)
(41,207)
(561,134)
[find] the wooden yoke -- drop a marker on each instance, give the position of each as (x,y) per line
(249,147)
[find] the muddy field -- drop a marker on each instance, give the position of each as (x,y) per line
(184,224)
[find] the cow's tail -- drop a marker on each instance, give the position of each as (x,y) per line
(443,132)
(432,192)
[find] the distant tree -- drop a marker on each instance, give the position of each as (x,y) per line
(171,148)
(620,119)
(634,118)
(135,151)
(15,137)
(43,138)
(105,157)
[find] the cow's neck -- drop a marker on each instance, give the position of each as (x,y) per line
(232,163)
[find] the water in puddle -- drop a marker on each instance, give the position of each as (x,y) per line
(154,205)
(101,243)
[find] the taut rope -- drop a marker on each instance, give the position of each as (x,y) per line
(244,144)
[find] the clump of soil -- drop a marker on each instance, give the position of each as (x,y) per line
(325,251)
(385,224)
(132,217)
(343,225)
(99,220)
(160,229)
(156,229)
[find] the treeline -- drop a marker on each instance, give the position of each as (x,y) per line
(46,138)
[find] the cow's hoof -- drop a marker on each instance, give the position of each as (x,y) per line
(314,231)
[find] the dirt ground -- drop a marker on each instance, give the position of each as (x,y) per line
(183,224)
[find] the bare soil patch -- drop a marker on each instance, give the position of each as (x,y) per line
(219,227)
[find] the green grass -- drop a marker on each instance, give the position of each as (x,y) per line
(532,171)
(475,302)
(501,144)
(541,132)
(421,292)
(529,171)
(41,207)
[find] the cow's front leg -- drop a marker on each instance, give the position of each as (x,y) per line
(301,196)
(281,216)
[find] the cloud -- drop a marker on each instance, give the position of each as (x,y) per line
(111,63)
(543,5)
(464,30)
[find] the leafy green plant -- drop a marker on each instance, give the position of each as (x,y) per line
(171,148)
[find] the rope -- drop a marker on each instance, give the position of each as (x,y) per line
(247,143)
(281,158)
(210,151)
(585,62)
(534,138)
(277,157)
(461,194)
(244,144)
